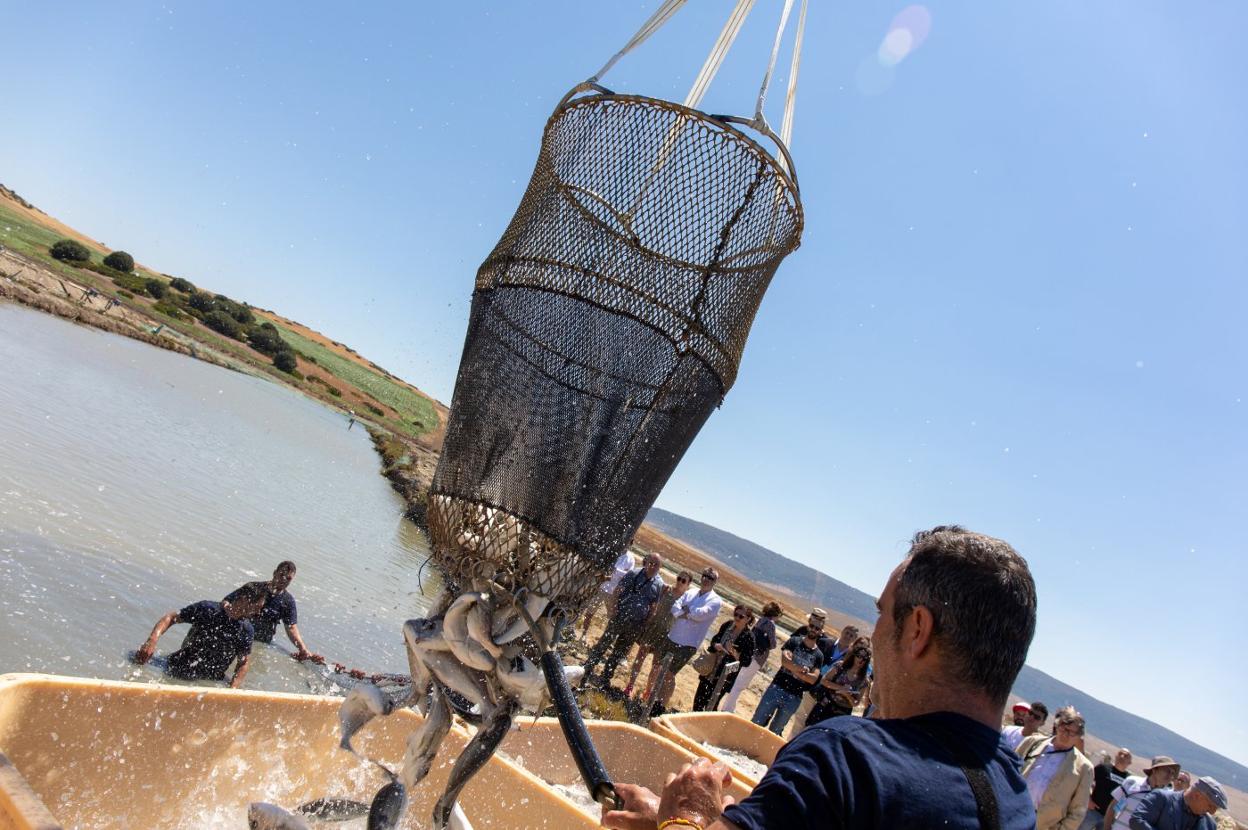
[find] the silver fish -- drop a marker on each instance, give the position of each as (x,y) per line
(388,806)
(333,809)
(455,631)
(364,702)
(264,816)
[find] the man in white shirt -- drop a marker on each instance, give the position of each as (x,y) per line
(606,592)
(1128,795)
(1027,722)
(693,613)
(1058,775)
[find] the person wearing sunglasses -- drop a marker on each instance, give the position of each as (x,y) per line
(654,632)
(764,632)
(1058,775)
(693,613)
(733,643)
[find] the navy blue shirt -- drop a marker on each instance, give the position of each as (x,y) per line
(862,774)
(638,594)
(212,643)
(1166,810)
(278,607)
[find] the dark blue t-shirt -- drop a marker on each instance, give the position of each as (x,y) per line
(277,608)
(638,594)
(212,643)
(861,774)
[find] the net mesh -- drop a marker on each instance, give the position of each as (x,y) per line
(606,325)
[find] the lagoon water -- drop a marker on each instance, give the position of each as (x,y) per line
(134,481)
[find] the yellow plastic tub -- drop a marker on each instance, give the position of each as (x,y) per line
(631,754)
(104,754)
(692,730)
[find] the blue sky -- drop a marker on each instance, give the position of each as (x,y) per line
(1018,304)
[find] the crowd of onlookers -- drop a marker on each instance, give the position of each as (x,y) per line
(820,677)
(1071,793)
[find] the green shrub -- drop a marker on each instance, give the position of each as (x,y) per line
(130,282)
(179,284)
(121,261)
(285,361)
(266,341)
(334,391)
(222,323)
(201,302)
(168,310)
(239,311)
(155,287)
(121,292)
(70,250)
(374,410)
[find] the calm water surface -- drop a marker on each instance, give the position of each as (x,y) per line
(134,481)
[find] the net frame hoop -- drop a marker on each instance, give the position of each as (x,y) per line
(786,170)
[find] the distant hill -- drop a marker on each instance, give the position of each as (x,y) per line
(1107,722)
(767,566)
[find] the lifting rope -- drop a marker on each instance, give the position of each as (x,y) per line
(714,60)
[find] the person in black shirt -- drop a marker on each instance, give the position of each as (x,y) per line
(220,634)
(280,607)
(734,642)
(800,661)
(1106,777)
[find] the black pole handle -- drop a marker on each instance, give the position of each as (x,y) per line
(574,732)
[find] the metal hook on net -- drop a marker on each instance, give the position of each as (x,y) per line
(588,761)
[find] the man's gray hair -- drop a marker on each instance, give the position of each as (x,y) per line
(982,599)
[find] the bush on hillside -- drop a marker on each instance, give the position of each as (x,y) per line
(121,292)
(222,323)
(285,361)
(70,250)
(121,261)
(179,284)
(239,311)
(201,302)
(168,310)
(266,340)
(130,282)
(155,287)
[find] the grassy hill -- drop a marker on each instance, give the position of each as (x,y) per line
(178,314)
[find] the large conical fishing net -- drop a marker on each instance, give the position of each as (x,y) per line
(606,325)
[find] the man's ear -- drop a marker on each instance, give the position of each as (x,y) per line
(917,634)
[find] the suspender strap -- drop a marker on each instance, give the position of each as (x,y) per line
(973,768)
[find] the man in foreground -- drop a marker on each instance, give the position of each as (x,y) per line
(280,607)
(1191,809)
(956,619)
(220,634)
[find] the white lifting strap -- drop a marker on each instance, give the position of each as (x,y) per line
(718,52)
(790,97)
(656,21)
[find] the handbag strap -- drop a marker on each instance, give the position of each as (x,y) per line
(973,768)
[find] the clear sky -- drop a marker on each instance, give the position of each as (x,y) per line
(1018,305)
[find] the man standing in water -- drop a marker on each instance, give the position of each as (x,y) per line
(280,607)
(220,633)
